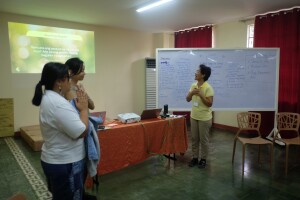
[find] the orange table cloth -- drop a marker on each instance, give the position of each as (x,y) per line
(127,144)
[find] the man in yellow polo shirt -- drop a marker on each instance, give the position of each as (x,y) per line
(201,94)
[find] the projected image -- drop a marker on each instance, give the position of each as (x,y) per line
(31,46)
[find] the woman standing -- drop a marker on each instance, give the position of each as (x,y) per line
(77,67)
(77,73)
(201,94)
(63,152)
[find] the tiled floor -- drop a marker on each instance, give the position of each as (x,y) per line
(157,178)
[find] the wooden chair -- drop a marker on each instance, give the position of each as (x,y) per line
(250,122)
(287,122)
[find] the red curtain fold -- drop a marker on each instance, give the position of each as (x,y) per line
(282,30)
(193,38)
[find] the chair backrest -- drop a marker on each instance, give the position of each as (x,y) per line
(287,121)
(249,121)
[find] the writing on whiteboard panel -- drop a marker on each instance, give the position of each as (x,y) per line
(243,79)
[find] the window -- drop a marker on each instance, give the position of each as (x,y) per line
(250,35)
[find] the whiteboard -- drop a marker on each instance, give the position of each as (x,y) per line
(243,79)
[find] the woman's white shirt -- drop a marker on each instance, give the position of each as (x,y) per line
(60,126)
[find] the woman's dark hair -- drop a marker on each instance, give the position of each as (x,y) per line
(75,65)
(206,71)
(52,71)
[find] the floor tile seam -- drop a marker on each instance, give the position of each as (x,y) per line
(30,173)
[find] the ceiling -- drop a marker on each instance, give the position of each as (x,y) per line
(173,16)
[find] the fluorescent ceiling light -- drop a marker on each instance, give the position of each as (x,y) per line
(158,3)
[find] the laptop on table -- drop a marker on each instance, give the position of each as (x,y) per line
(101,114)
(150,113)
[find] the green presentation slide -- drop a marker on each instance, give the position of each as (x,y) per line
(32,46)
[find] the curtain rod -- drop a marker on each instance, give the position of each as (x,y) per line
(253,16)
(188,29)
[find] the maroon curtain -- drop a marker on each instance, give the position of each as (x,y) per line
(193,38)
(282,30)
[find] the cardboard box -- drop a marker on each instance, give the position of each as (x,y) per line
(32,135)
